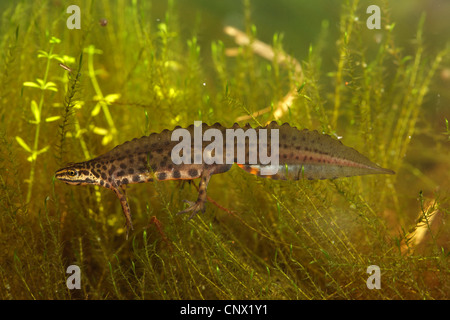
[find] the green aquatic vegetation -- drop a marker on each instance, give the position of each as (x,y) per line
(36,110)
(143,71)
(69,105)
(103,102)
(447,132)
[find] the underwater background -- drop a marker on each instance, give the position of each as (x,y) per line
(137,67)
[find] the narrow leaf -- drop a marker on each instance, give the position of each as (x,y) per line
(31,84)
(106,139)
(23,144)
(57,58)
(100,131)
(35,111)
(112,97)
(78,104)
(68,59)
(55,40)
(42,54)
(96,109)
(51,119)
(50,86)
(45,149)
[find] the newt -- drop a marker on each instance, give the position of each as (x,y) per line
(302,154)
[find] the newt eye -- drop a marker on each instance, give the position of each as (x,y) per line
(71,173)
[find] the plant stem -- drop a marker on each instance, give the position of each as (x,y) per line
(99,94)
(38,129)
(347,23)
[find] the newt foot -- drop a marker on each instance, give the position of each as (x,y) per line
(194,207)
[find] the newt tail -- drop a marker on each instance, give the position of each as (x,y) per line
(300,154)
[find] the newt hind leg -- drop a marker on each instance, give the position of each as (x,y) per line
(199,205)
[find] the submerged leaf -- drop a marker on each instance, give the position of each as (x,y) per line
(100,131)
(96,109)
(50,86)
(23,144)
(35,111)
(42,54)
(45,149)
(54,40)
(31,84)
(112,97)
(51,119)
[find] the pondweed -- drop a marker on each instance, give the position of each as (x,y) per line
(142,67)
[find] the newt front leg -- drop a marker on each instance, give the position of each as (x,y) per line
(120,192)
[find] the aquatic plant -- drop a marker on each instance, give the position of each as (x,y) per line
(138,70)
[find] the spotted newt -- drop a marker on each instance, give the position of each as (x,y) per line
(301,154)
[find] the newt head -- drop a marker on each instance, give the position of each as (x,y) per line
(76,174)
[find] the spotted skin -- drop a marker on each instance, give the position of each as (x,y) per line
(303,154)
